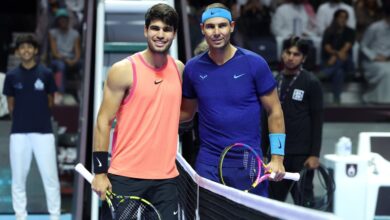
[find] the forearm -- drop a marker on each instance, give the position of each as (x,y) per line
(276,122)
(101,137)
(347,46)
(186,117)
(329,49)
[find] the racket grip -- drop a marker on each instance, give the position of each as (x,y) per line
(84,172)
(288,176)
(292,176)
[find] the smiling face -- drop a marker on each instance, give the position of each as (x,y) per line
(217,32)
(26,52)
(159,36)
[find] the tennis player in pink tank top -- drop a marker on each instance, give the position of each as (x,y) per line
(143,93)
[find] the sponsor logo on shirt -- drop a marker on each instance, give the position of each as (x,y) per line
(18,85)
(158,81)
(236,76)
(203,76)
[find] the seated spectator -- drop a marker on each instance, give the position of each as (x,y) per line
(337,43)
(65,49)
(293,19)
(325,14)
(297,18)
(254,21)
(375,46)
(367,12)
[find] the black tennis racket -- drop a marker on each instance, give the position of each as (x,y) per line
(124,207)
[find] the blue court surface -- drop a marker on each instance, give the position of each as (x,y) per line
(36,217)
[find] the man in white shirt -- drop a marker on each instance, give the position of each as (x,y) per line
(375,45)
(292,19)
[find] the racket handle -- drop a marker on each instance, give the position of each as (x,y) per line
(84,172)
(288,176)
(292,176)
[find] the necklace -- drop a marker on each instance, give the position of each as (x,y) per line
(282,96)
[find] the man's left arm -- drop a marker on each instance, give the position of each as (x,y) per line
(316,122)
(271,104)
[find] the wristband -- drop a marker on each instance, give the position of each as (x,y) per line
(100,162)
(277,142)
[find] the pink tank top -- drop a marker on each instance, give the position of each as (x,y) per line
(145,136)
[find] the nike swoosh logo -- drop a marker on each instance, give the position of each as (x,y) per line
(158,81)
(238,76)
(280,144)
(100,164)
(212,12)
(175,213)
(203,77)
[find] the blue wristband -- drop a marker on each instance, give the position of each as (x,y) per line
(277,142)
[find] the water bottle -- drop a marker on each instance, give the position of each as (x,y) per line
(344,146)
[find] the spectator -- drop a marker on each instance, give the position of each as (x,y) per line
(367,12)
(337,52)
(375,46)
(293,19)
(3,98)
(65,49)
(325,14)
(301,97)
(255,20)
(29,89)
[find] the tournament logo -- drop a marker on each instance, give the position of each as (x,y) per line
(39,85)
(298,95)
(351,170)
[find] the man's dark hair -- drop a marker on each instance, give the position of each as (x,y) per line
(162,12)
(302,45)
(26,38)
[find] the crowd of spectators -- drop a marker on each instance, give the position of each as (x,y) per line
(344,35)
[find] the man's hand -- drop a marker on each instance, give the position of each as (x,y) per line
(276,166)
(100,184)
(70,62)
(380,58)
(342,55)
(312,162)
(332,60)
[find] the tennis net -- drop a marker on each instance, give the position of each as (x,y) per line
(201,198)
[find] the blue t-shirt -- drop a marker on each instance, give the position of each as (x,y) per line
(228,100)
(30,89)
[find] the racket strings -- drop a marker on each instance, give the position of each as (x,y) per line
(252,170)
(134,209)
(245,159)
(249,165)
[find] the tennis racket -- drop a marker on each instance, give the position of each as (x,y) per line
(124,207)
(251,163)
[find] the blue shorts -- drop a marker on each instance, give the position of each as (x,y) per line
(233,176)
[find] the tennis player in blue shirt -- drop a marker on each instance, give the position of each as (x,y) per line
(229,86)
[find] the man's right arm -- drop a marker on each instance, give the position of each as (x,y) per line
(10,103)
(188,109)
(118,82)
